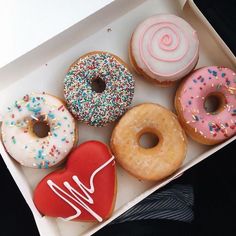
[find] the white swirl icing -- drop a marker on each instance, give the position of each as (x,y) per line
(165,47)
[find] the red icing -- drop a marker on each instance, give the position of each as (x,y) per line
(82,162)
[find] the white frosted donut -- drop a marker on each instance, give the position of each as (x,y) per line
(164,48)
(20,139)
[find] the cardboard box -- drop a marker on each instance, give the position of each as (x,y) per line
(44,68)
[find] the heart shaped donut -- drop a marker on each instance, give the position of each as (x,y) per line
(85,190)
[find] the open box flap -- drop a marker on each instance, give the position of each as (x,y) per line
(35,22)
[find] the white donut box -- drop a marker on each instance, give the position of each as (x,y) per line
(108,29)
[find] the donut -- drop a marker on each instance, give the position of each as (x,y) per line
(204,126)
(104,103)
(85,190)
(164,48)
(38,131)
(153,163)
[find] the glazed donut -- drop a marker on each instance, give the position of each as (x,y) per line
(153,163)
(55,126)
(164,48)
(106,103)
(208,127)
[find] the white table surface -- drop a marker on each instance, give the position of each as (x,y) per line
(25,24)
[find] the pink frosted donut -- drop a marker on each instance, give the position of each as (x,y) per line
(214,86)
(164,48)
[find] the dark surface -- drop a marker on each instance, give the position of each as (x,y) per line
(214,182)
(222,16)
(16,217)
(148,228)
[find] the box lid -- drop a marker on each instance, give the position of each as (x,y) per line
(35,22)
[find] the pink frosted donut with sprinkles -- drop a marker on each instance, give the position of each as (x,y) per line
(38,131)
(164,48)
(206,104)
(98,88)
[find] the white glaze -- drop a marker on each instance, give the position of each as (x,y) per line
(165,47)
(23,145)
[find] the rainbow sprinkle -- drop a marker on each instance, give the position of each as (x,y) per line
(37,151)
(88,106)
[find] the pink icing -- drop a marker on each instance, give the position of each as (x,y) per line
(167,41)
(196,88)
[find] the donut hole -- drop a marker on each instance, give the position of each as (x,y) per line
(148,140)
(41,129)
(98,85)
(214,102)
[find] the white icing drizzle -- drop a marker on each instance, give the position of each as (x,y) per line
(78,197)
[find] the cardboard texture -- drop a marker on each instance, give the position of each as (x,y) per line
(44,68)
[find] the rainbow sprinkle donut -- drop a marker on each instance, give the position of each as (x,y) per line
(38,131)
(217,87)
(98,88)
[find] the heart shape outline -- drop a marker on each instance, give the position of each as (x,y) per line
(85,190)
